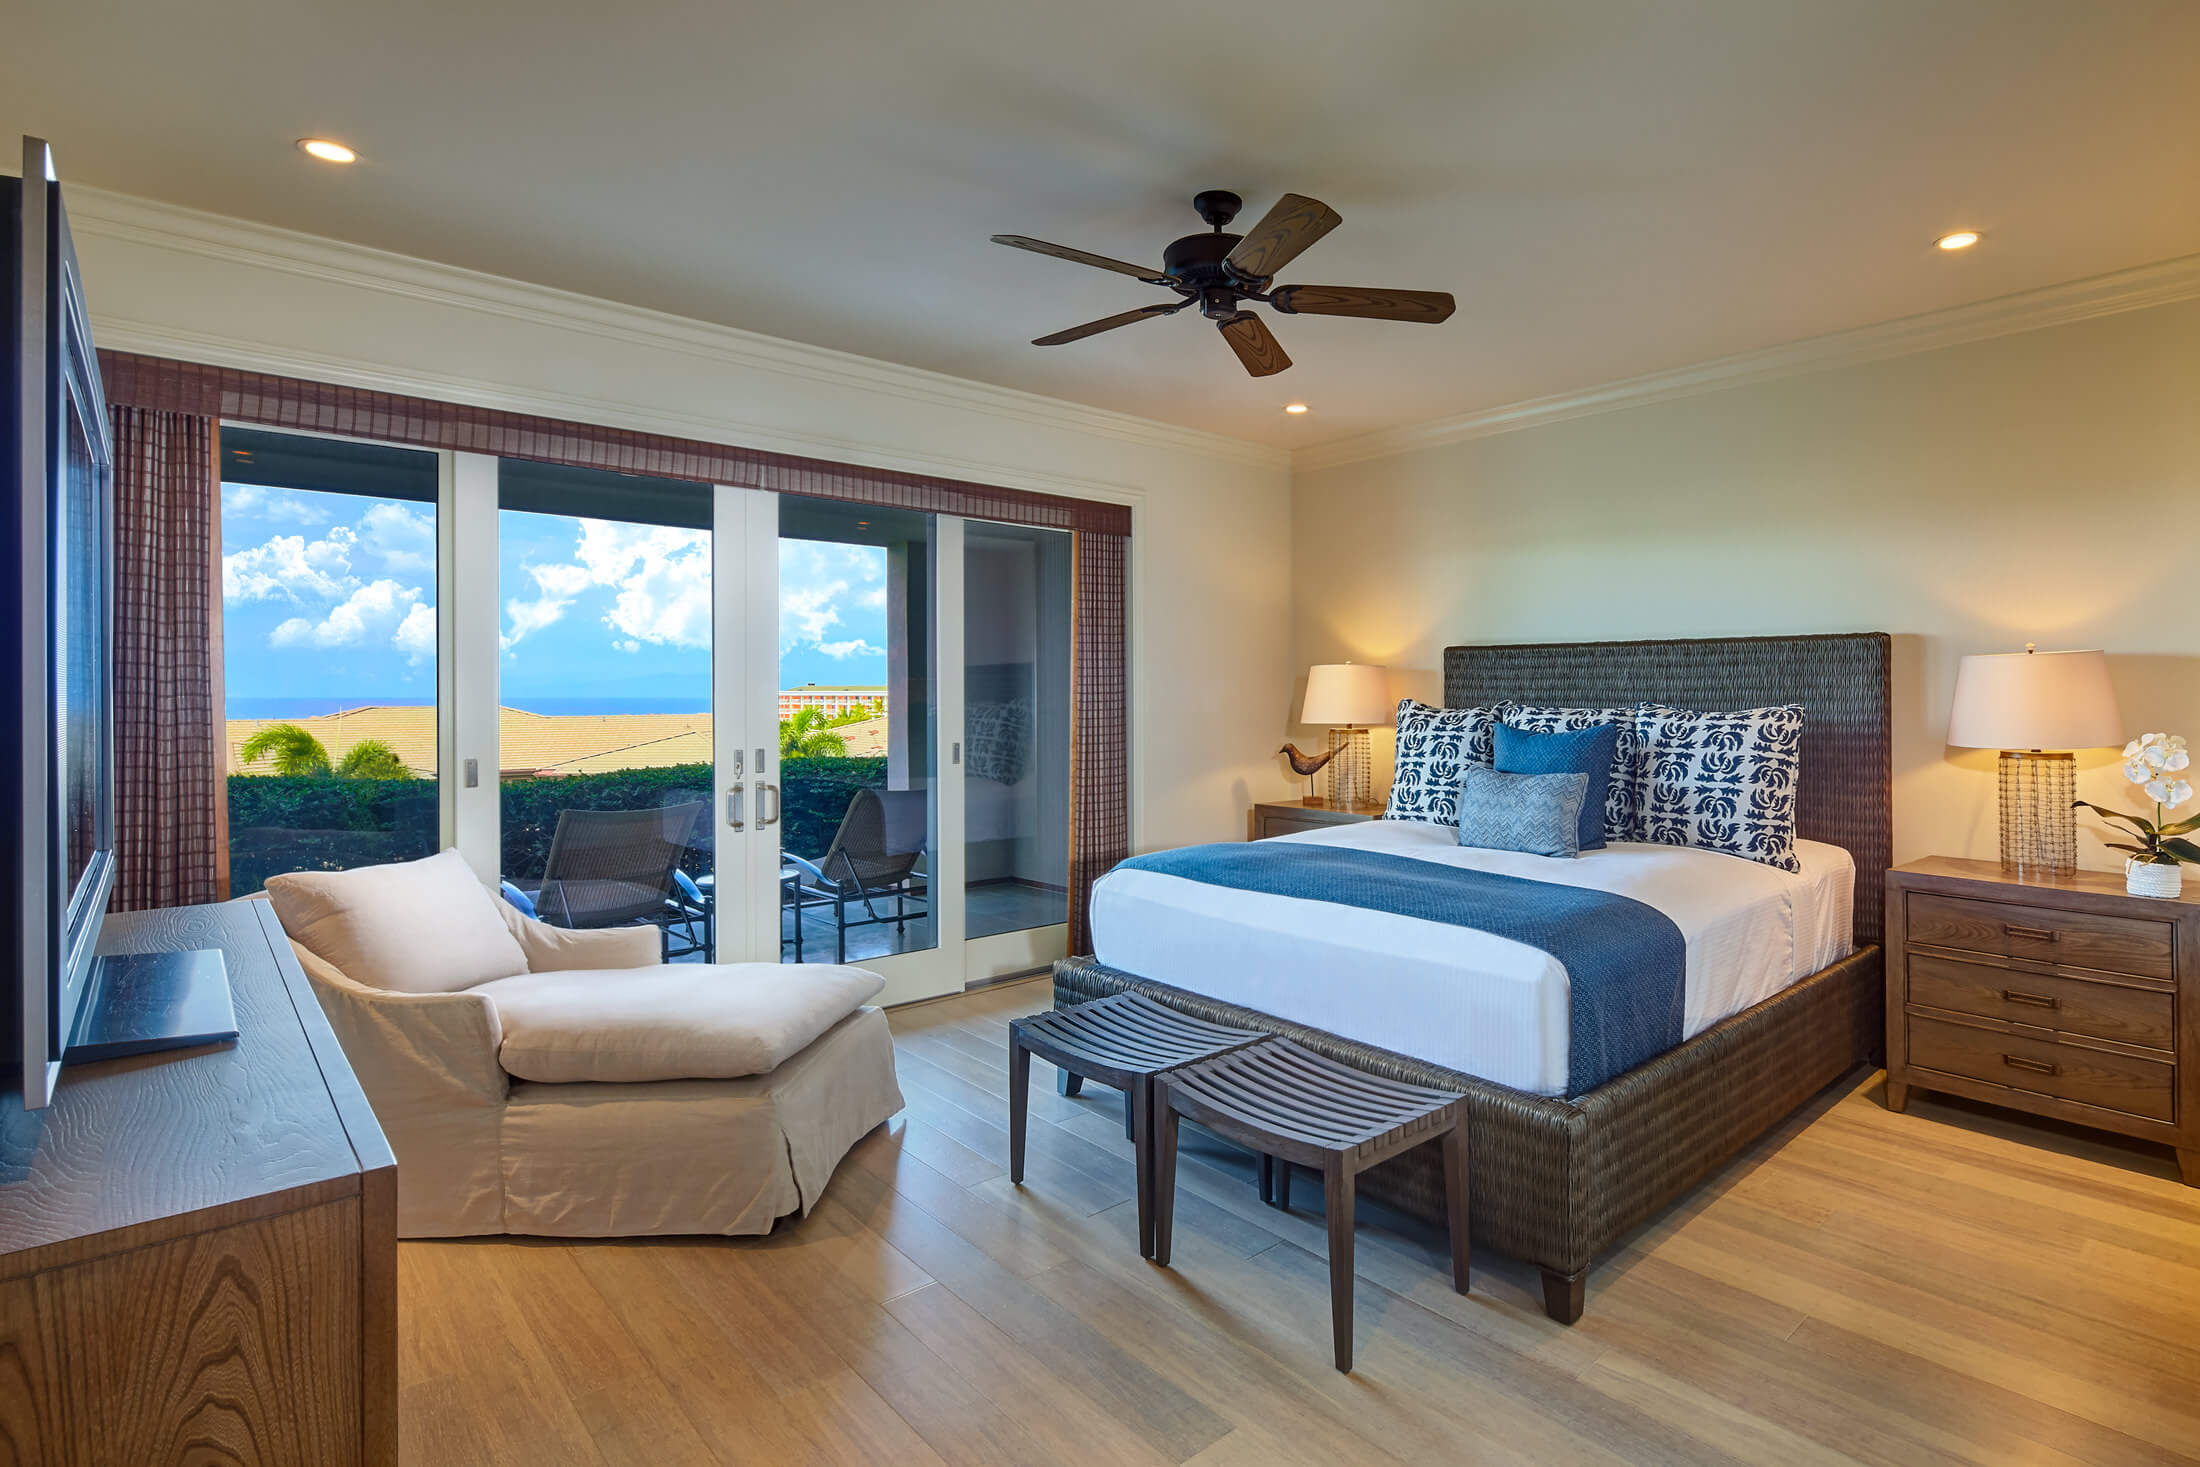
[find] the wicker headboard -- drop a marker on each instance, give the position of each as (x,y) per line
(1845,789)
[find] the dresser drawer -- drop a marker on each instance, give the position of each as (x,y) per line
(2073,939)
(2074,1005)
(2116,1082)
(1269,823)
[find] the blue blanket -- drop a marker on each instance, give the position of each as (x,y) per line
(1625,961)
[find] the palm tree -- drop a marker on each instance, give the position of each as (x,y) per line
(371,759)
(809,735)
(291,748)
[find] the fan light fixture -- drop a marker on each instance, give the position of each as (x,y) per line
(327,151)
(1962,239)
(1294,408)
(1220,272)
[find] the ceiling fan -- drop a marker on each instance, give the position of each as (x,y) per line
(1218,271)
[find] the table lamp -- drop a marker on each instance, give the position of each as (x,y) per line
(2036,707)
(1349,696)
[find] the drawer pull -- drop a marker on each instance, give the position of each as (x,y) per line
(2037,1067)
(2037,1000)
(2032,934)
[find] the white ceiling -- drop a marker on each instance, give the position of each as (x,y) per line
(1608,188)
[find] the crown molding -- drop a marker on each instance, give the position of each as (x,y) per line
(120,334)
(2161,284)
(99,213)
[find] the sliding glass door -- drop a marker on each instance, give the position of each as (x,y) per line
(604,720)
(780,729)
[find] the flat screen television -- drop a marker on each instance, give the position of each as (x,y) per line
(57,761)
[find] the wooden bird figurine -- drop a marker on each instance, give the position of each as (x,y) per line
(1306,765)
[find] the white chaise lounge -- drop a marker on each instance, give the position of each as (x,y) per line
(533,1079)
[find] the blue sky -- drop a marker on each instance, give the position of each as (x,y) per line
(330,598)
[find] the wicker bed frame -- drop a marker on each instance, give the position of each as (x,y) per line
(1559,1182)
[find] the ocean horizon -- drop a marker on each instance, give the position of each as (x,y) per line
(549,707)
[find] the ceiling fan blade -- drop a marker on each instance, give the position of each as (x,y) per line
(1429,306)
(1105,323)
(1081,257)
(1294,223)
(1256,346)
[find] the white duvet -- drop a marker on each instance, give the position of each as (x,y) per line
(1460,998)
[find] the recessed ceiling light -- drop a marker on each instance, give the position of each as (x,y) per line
(1294,408)
(1962,239)
(328,152)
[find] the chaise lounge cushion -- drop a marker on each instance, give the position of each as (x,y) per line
(682,1021)
(425,926)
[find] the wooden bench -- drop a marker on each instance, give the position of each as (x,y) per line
(1299,1108)
(1123,1041)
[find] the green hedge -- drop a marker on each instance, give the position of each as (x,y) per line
(319,823)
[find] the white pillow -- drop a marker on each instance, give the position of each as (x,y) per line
(415,927)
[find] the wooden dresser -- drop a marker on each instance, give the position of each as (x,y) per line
(2060,995)
(1287,817)
(198,1250)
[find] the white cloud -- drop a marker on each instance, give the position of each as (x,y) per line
(806,613)
(415,635)
(832,598)
(629,645)
(380,611)
(523,617)
(402,535)
(258,501)
(659,577)
(292,568)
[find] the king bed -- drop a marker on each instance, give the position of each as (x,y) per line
(1584,1120)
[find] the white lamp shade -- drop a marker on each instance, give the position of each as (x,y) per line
(1348,694)
(2035,700)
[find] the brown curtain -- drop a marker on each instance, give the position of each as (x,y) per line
(167,661)
(1099,758)
(1100,732)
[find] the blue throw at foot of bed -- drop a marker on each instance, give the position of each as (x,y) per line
(1625,961)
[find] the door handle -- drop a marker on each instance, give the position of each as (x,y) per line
(778,799)
(733,807)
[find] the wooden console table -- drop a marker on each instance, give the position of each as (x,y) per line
(198,1250)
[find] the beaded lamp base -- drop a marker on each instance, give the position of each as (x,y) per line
(2039,829)
(1351,772)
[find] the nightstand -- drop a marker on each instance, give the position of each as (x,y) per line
(1288,817)
(2059,995)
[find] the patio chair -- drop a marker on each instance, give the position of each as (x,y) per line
(873,857)
(619,868)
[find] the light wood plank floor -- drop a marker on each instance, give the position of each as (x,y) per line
(1947,1286)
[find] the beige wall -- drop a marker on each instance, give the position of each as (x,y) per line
(2041,487)
(1212,547)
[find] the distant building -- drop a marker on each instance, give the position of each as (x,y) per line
(833,700)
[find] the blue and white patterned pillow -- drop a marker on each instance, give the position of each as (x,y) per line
(1434,745)
(1622,796)
(1721,781)
(1536,813)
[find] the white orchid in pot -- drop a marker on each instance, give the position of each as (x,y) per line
(2155,865)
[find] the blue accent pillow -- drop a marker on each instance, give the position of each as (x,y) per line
(1536,813)
(1586,751)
